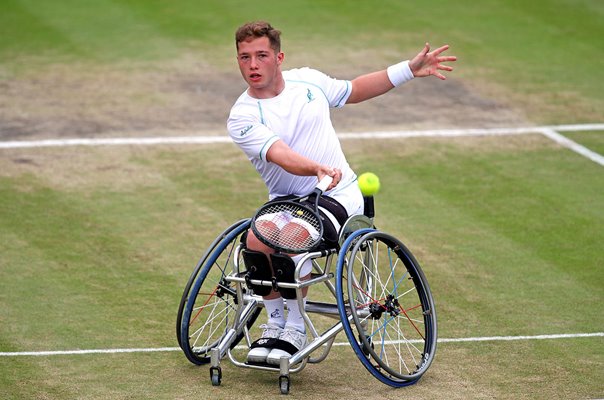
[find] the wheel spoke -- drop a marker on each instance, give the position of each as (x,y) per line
(212,328)
(211,306)
(389,298)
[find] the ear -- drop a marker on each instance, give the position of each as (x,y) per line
(280,57)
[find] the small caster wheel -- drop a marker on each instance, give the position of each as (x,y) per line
(284,384)
(215,375)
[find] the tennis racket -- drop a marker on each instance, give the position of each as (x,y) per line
(293,225)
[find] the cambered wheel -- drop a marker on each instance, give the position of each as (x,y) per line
(198,267)
(210,304)
(386,307)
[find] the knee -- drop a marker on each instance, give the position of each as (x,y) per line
(253,243)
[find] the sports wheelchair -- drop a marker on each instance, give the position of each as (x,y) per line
(375,289)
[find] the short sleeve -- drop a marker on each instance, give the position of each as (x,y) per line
(337,91)
(250,135)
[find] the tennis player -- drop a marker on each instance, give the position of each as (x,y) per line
(282,123)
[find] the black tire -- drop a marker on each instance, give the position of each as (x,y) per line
(200,264)
(386,307)
(209,304)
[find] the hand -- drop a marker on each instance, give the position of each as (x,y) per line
(335,173)
(428,63)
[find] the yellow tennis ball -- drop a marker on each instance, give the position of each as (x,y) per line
(369,183)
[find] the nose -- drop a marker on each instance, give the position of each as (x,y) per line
(253,63)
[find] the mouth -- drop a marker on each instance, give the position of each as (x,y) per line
(254,77)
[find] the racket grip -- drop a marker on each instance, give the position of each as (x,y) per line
(324,183)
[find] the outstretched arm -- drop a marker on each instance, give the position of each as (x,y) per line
(428,63)
(425,63)
(368,86)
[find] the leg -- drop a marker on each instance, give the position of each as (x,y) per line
(273,302)
(294,315)
(275,306)
(293,337)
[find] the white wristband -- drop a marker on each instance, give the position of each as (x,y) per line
(399,73)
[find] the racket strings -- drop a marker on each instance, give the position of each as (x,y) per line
(288,226)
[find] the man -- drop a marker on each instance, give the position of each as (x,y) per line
(282,123)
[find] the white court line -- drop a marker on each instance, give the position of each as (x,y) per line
(82,352)
(343,136)
(574,146)
(115,141)
(576,127)
(166,349)
(550,132)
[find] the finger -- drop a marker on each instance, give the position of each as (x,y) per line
(447,58)
(333,183)
(426,49)
(338,176)
(444,67)
(440,49)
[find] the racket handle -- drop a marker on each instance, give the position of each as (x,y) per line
(324,183)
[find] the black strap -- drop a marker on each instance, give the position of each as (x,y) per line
(335,208)
(285,346)
(268,343)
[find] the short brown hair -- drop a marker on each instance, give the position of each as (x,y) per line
(256,30)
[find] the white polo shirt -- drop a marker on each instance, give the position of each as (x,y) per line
(299,116)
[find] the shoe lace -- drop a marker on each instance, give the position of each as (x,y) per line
(270,331)
(293,336)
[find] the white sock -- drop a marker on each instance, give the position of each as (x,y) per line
(294,316)
(276,311)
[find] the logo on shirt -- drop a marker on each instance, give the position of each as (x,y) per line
(309,95)
(245,130)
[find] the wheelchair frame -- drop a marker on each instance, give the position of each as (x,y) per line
(210,323)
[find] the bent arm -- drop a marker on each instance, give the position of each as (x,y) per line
(296,164)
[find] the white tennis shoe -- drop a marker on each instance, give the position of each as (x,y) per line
(289,343)
(261,348)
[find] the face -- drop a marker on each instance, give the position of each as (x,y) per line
(260,66)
